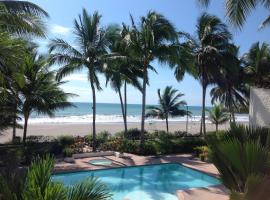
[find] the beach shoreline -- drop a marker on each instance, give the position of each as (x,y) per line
(82,129)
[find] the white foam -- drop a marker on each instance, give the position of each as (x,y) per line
(116,119)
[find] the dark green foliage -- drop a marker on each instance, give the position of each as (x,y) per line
(101,138)
(242,157)
(159,142)
(133,134)
(256,65)
(66,140)
(68,152)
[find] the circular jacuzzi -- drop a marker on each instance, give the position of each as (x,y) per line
(101,162)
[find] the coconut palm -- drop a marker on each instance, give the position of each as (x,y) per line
(257,65)
(22,17)
(242,159)
(38,184)
(93,43)
(169,105)
(40,92)
(218,115)
(205,52)
(151,39)
(231,88)
(238,10)
(122,70)
(119,74)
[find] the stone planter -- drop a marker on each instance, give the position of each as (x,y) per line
(69,160)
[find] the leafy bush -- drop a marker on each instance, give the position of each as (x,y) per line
(133,134)
(66,140)
(39,139)
(102,137)
(202,152)
(68,152)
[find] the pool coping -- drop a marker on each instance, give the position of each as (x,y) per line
(109,168)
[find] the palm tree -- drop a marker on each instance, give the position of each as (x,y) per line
(169,105)
(151,39)
(122,70)
(238,10)
(231,89)
(38,184)
(205,53)
(22,18)
(40,92)
(218,115)
(257,65)
(119,74)
(12,52)
(93,43)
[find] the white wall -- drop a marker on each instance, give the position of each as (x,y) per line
(259,107)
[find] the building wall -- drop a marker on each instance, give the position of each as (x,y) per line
(259,107)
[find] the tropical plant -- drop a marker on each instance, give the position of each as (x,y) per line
(231,87)
(238,10)
(257,65)
(40,92)
(218,115)
(205,52)
(38,184)
(22,18)
(122,70)
(12,51)
(169,105)
(93,43)
(153,38)
(242,158)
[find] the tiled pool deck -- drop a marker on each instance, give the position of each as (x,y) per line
(210,193)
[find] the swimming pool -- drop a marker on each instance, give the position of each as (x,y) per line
(148,182)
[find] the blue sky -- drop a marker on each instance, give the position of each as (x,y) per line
(182,13)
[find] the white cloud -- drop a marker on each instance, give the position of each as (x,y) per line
(61,30)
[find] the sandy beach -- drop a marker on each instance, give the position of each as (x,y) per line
(57,129)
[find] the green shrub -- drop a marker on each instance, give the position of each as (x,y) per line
(202,152)
(39,139)
(149,148)
(112,145)
(101,138)
(68,152)
(66,140)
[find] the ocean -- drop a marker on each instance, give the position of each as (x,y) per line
(111,113)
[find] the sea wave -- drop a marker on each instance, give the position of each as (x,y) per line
(116,119)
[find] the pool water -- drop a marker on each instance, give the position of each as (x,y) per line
(103,162)
(149,182)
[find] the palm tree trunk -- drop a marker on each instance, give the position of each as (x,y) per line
(125,102)
(143,104)
(231,108)
(94,115)
(26,117)
(15,117)
(203,109)
(14,123)
(123,110)
(167,124)
(216,127)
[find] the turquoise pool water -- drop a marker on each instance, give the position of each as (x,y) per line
(150,182)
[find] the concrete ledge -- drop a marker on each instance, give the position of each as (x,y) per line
(93,154)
